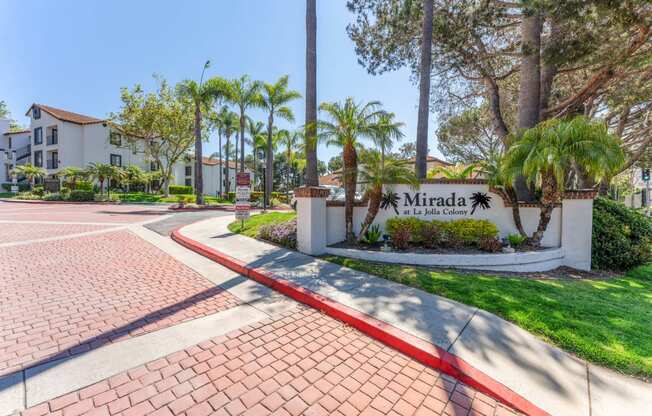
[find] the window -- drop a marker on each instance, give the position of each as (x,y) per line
(53,161)
(38,135)
(188,170)
(115,138)
(154,166)
(10,142)
(116,160)
(188,181)
(38,158)
(36,113)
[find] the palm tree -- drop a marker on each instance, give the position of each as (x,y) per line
(230,126)
(493,168)
(244,93)
(388,132)
(546,153)
(102,172)
(378,171)
(425,67)
(458,171)
(312,176)
(275,98)
(72,174)
(347,123)
(290,141)
(202,95)
(133,175)
(217,121)
(256,141)
(30,171)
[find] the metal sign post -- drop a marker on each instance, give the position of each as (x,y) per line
(242,195)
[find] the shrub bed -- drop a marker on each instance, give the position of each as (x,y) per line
(406,231)
(622,237)
(81,196)
(180,189)
(284,233)
(22,186)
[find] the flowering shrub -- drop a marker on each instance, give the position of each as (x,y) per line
(449,234)
(401,238)
(284,233)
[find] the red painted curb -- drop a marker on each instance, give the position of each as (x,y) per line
(408,344)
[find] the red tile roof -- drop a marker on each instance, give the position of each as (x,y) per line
(334,179)
(66,115)
(213,162)
(16,132)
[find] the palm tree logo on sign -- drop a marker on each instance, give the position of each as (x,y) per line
(390,199)
(480,199)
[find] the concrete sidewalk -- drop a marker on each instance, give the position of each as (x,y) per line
(551,379)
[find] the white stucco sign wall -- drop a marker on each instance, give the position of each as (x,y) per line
(450,200)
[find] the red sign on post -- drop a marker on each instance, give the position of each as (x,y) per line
(242,179)
(242,190)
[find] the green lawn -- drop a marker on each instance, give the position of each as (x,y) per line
(254,222)
(145,197)
(608,322)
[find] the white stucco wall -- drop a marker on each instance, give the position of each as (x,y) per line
(497,213)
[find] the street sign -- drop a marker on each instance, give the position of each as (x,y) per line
(645,175)
(242,195)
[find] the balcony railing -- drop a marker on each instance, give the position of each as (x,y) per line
(52,164)
(54,139)
(24,151)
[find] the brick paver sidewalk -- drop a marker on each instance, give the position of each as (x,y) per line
(66,296)
(301,363)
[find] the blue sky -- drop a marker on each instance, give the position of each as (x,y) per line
(76,55)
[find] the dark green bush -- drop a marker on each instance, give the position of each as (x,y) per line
(180,189)
(622,238)
(81,196)
(22,186)
(451,234)
(38,190)
(83,186)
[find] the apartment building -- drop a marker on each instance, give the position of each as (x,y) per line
(15,149)
(59,138)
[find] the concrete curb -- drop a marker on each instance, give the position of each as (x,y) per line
(416,348)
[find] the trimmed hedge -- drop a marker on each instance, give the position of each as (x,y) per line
(180,189)
(81,196)
(22,186)
(622,237)
(83,186)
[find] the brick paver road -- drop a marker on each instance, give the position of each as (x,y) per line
(66,296)
(302,363)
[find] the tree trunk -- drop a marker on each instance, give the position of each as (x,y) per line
(242,141)
(236,151)
(549,197)
(493,93)
(255,171)
(269,162)
(350,178)
(548,70)
(375,196)
(219,150)
(226,165)
(421,166)
(287,175)
(199,177)
(516,210)
(529,94)
(312,175)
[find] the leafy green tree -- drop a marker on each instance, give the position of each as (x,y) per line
(275,100)
(468,137)
(345,125)
(159,124)
(243,93)
(203,95)
(30,172)
(458,171)
(4,111)
(133,175)
(376,172)
(335,164)
(545,155)
(407,151)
